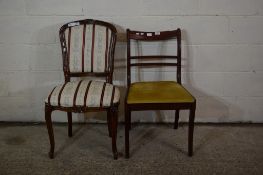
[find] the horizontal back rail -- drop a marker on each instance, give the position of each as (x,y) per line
(154,56)
(153,64)
(86,21)
(152,36)
(84,74)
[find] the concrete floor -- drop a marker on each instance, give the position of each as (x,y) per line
(155,149)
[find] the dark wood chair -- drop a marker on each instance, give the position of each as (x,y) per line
(88,51)
(157,95)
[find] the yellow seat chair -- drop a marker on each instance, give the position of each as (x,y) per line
(157,95)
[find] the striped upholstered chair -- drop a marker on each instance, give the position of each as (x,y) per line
(87,51)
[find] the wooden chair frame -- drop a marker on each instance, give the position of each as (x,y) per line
(112,111)
(160,36)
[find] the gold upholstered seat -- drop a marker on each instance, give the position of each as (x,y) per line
(158,92)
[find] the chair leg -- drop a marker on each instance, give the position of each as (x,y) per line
(69,124)
(114,125)
(48,112)
(191,131)
(127,129)
(176,119)
(109,121)
(129,120)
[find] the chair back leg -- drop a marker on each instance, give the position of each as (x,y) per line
(69,124)
(109,116)
(114,124)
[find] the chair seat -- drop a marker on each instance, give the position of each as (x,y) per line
(158,92)
(84,93)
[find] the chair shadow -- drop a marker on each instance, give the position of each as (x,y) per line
(76,135)
(79,133)
(145,137)
(209,137)
(174,147)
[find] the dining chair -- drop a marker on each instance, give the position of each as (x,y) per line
(157,95)
(88,58)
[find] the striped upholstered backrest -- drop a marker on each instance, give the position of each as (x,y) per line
(87,46)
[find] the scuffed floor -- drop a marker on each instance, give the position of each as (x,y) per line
(155,149)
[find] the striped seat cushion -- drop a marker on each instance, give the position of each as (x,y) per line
(84,93)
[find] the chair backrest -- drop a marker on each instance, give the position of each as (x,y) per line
(153,36)
(88,48)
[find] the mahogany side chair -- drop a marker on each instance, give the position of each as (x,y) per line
(88,51)
(157,95)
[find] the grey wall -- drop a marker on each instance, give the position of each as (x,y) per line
(222,53)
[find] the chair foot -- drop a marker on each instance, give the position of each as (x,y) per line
(51,155)
(127,155)
(190,154)
(115,155)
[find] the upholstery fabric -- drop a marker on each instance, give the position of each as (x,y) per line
(87,93)
(158,92)
(88,47)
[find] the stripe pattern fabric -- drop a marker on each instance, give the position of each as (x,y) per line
(88,47)
(84,93)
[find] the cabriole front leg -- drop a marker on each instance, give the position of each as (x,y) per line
(48,111)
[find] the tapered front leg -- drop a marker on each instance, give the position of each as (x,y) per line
(191,131)
(114,125)
(127,129)
(48,112)
(69,124)
(176,119)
